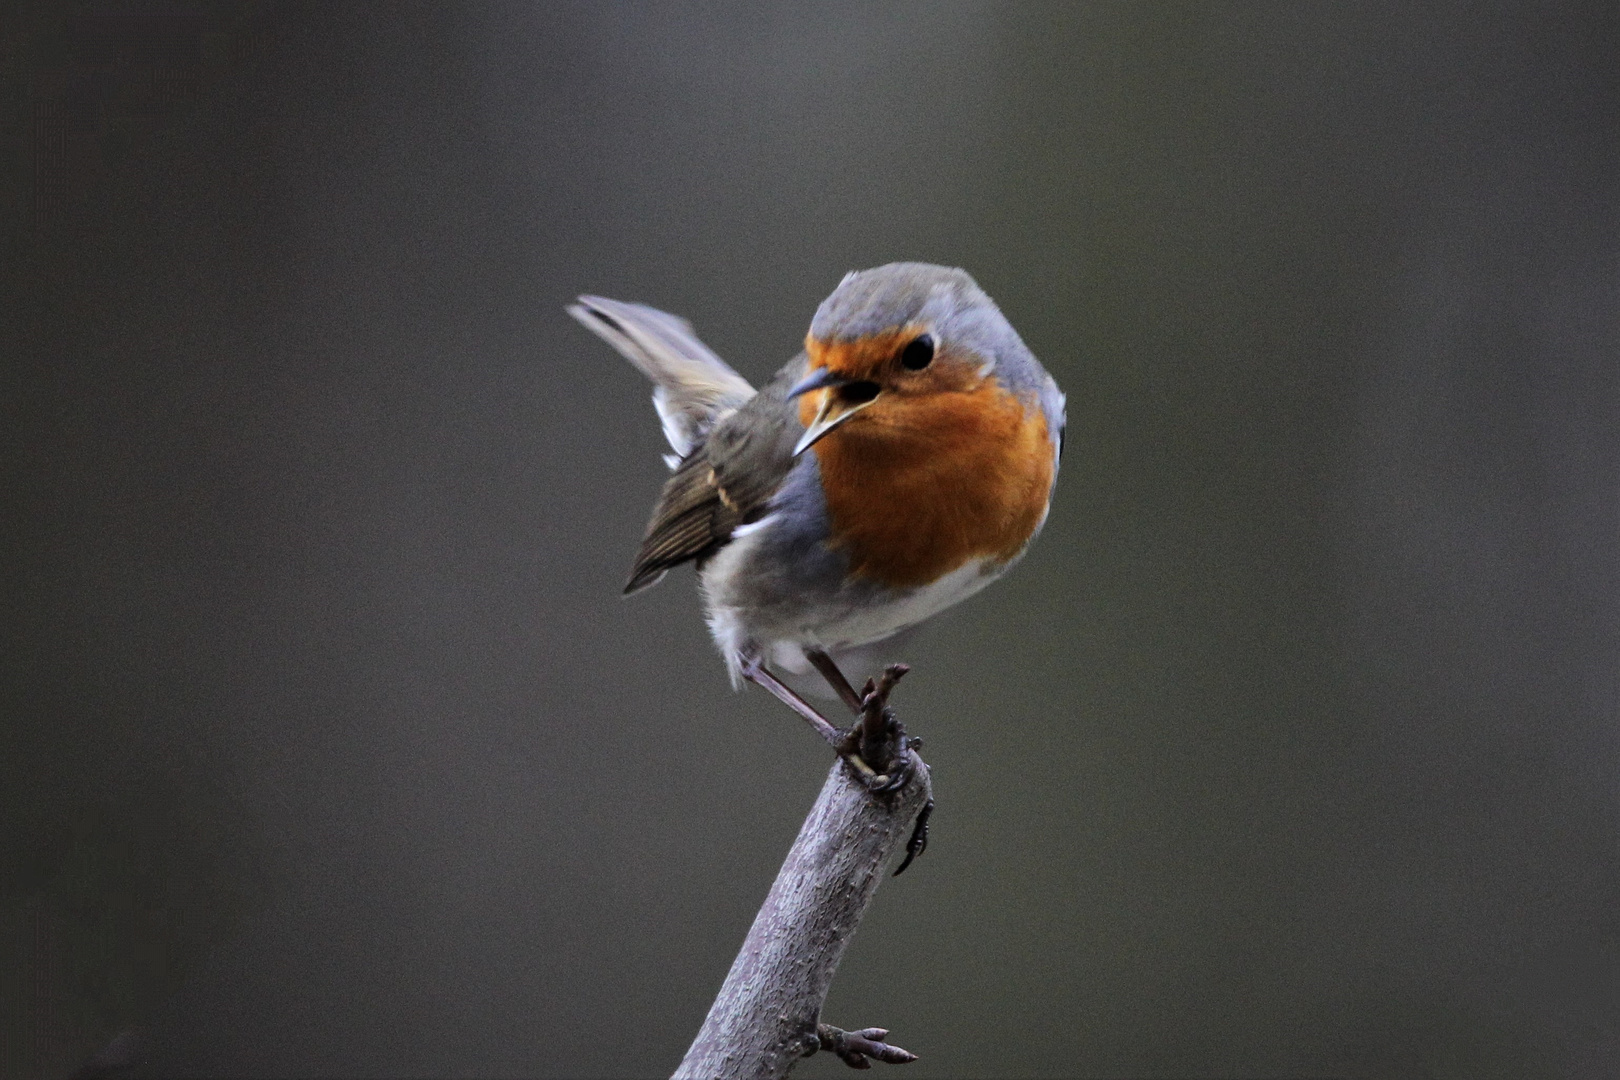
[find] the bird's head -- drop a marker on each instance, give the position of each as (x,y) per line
(893,346)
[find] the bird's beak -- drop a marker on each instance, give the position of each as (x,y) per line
(819,379)
(834,409)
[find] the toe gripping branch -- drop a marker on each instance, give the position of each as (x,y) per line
(857,1048)
(877,747)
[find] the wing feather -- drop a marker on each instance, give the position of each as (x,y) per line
(690,520)
(693,389)
(727,482)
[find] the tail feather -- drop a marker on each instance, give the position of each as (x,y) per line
(693,389)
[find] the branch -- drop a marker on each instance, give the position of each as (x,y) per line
(767,1013)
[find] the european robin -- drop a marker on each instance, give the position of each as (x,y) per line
(899,464)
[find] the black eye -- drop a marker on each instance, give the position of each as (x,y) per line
(919,354)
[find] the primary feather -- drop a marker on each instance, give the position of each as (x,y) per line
(693,388)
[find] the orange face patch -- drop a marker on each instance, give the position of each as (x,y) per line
(934,473)
(863,358)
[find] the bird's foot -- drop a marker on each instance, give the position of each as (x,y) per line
(879,750)
(877,746)
(858,1049)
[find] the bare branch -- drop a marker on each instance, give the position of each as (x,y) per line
(768,1010)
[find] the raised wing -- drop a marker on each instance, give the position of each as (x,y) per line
(693,389)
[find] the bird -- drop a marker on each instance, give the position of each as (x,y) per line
(901,462)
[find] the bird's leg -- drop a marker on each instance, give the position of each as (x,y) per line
(835,679)
(755,671)
(877,736)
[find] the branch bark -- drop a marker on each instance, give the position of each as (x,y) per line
(767,1013)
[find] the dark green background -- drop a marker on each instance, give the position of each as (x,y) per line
(331,750)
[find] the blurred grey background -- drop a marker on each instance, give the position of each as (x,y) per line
(329,748)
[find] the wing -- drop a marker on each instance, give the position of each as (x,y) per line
(693,388)
(725,484)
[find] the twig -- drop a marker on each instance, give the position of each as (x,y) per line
(767,1014)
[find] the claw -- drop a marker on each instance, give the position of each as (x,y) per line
(919,837)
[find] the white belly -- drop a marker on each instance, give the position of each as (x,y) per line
(752,612)
(871,622)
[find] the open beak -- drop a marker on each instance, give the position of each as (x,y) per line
(834,410)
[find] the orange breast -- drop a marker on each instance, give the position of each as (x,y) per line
(918,486)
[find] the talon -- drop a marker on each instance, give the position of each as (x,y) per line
(919,837)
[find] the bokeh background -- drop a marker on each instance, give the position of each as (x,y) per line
(330,749)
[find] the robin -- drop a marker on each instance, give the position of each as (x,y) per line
(899,464)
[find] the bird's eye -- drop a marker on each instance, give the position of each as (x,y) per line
(919,354)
